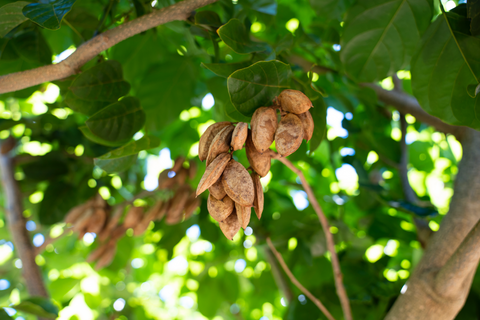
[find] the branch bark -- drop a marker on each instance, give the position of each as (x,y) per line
(88,50)
(341,292)
(294,280)
(16,223)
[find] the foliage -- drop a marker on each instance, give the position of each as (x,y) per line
(117,124)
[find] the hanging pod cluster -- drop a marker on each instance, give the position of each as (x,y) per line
(233,190)
(178,204)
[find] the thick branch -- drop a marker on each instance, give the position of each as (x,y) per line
(341,292)
(294,280)
(16,224)
(88,50)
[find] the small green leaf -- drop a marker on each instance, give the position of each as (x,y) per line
(117,164)
(209,18)
(257,85)
(58,199)
(201,32)
(118,121)
(38,306)
(90,136)
(102,82)
(133,147)
(48,167)
(235,35)
(11,16)
(48,15)
(33,47)
(225,69)
(84,106)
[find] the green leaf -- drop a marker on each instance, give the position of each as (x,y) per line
(380,37)
(330,9)
(11,16)
(133,147)
(441,75)
(319,115)
(58,199)
(47,167)
(32,47)
(235,35)
(118,121)
(209,18)
(4,315)
(117,164)
(102,82)
(225,69)
(48,15)
(257,85)
(473,12)
(264,6)
(38,306)
(84,106)
(90,136)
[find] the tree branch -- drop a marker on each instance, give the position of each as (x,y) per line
(18,231)
(278,276)
(341,292)
(294,280)
(88,50)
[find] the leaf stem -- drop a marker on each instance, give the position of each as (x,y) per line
(73,29)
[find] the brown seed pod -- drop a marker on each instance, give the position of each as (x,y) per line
(162,211)
(81,224)
(207,138)
(181,176)
(133,217)
(192,204)
(164,180)
(220,209)
(221,143)
(147,218)
(264,124)
(107,256)
(260,162)
(230,226)
(238,184)
(239,136)
(177,204)
(118,232)
(213,172)
(178,164)
(97,253)
(294,101)
(308,125)
(111,223)
(258,202)
(76,213)
(243,215)
(99,202)
(217,190)
(289,135)
(97,221)
(192,171)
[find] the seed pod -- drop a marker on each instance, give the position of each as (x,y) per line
(99,202)
(207,138)
(289,135)
(221,143)
(217,190)
(151,214)
(164,180)
(258,202)
(192,204)
(239,136)
(162,211)
(238,184)
(294,101)
(230,226)
(107,256)
(118,232)
(192,171)
(134,216)
(178,164)
(260,162)
(220,209)
(97,221)
(82,223)
(308,125)
(177,204)
(213,172)
(181,176)
(243,215)
(112,223)
(97,253)
(76,213)
(264,124)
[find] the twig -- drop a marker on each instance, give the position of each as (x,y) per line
(104,17)
(341,292)
(18,231)
(74,30)
(90,49)
(278,276)
(294,280)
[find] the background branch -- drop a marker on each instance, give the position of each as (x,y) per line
(16,224)
(278,276)
(294,280)
(88,50)
(337,272)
